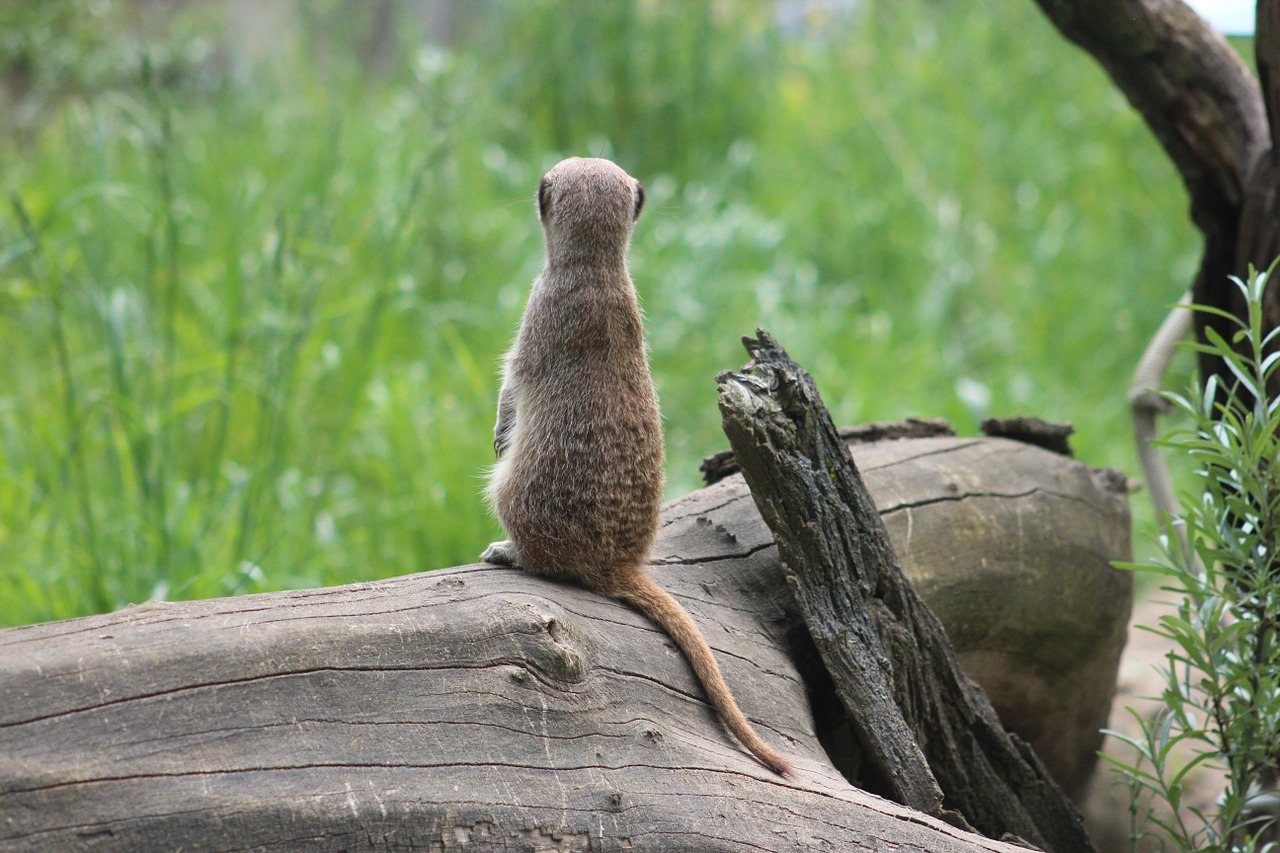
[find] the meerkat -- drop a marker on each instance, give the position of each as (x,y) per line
(578,485)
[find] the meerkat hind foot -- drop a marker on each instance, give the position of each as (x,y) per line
(500,554)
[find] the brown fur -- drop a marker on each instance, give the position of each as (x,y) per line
(578,487)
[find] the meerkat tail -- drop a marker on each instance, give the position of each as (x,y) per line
(639,590)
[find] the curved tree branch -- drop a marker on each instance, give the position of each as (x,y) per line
(1195,93)
(1266,45)
(1206,109)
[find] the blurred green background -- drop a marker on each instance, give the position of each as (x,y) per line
(259,262)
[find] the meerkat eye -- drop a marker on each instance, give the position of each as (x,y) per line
(544,200)
(639,198)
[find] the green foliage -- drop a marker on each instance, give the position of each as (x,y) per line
(253,313)
(685,79)
(49,50)
(1222,695)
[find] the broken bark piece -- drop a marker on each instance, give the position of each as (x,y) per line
(886,653)
(1030,430)
(891,430)
(715,468)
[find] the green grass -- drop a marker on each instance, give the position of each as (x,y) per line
(253,322)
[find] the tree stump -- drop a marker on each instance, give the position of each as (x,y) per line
(927,729)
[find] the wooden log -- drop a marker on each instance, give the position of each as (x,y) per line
(915,712)
(477,708)
(464,709)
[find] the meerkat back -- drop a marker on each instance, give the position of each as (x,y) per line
(578,485)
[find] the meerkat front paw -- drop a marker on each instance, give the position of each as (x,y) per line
(500,554)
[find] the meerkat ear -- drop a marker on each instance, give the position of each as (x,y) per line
(639,199)
(544,200)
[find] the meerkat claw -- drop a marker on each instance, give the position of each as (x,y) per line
(500,554)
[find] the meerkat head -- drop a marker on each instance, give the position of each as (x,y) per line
(587,207)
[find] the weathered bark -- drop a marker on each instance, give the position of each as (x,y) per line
(916,713)
(1215,121)
(1010,547)
(483,709)
(1041,433)
(723,464)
